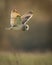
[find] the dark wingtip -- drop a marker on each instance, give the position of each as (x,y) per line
(31,12)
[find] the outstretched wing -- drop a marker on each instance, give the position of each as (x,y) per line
(26,17)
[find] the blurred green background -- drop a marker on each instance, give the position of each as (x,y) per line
(39,36)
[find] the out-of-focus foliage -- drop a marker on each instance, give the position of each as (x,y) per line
(7,58)
(40,34)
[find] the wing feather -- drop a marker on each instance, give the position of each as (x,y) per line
(26,17)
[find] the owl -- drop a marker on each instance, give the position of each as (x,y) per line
(18,22)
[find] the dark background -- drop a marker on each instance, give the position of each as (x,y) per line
(39,36)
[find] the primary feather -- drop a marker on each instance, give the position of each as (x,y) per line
(26,17)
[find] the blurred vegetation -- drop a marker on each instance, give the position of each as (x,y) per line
(25,59)
(39,37)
